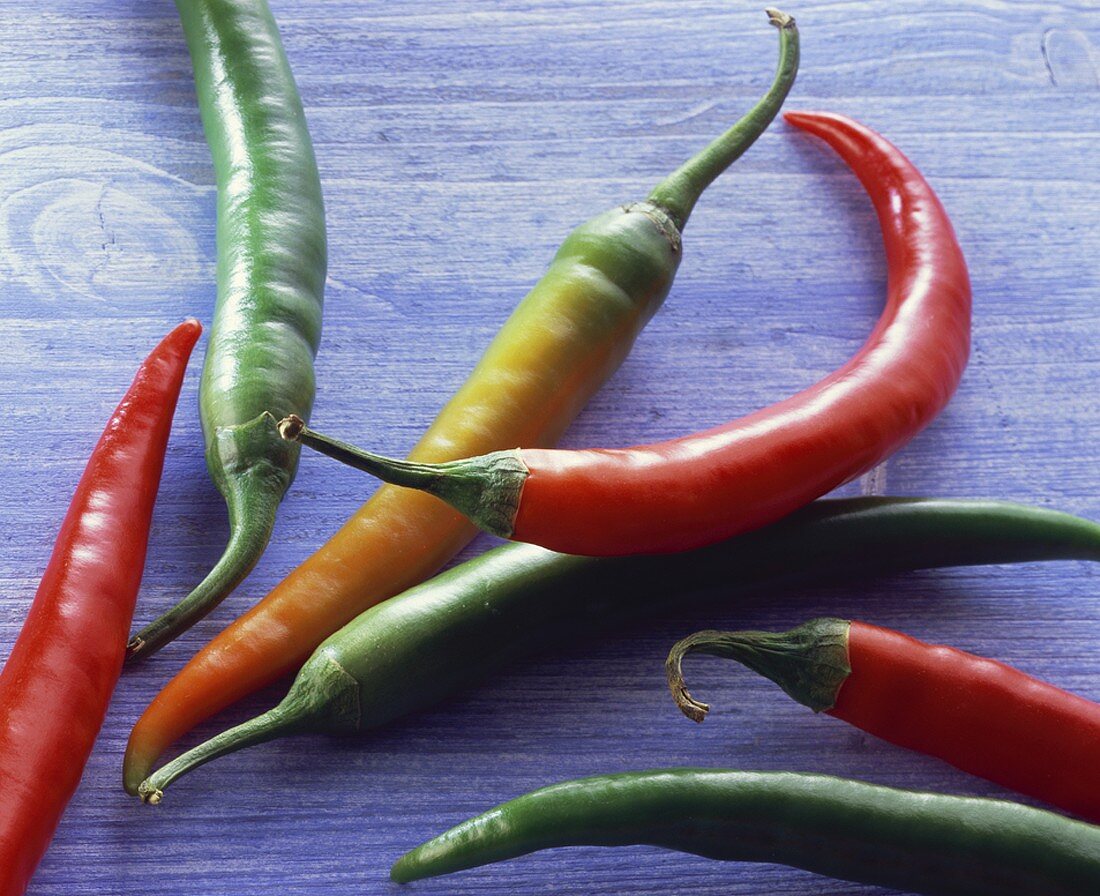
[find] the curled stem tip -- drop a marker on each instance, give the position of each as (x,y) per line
(291,427)
(694,709)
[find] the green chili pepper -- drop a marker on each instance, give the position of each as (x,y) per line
(918,842)
(271,275)
(459,627)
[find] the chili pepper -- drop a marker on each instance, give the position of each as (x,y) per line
(981,716)
(698,489)
(56,684)
(917,842)
(271,277)
(467,623)
(566,337)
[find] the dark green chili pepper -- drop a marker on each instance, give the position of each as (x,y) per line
(917,842)
(416,649)
(271,275)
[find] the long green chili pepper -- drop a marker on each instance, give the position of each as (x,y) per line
(271,275)
(461,626)
(917,842)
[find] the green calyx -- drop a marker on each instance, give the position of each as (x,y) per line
(809,662)
(678,193)
(664,223)
(323,697)
(486,489)
(253,448)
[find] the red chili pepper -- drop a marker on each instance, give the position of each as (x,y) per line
(980,715)
(59,677)
(709,486)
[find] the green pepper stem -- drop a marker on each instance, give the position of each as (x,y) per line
(396,472)
(677,194)
(694,709)
(810,662)
(324,696)
(485,488)
(253,502)
(278,721)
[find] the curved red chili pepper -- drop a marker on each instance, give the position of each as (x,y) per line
(56,684)
(680,494)
(700,489)
(980,715)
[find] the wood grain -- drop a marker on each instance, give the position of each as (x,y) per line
(458,144)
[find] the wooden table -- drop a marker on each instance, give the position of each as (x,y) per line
(458,143)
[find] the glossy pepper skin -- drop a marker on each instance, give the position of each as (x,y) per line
(412,651)
(560,344)
(271,276)
(696,490)
(980,715)
(58,679)
(916,842)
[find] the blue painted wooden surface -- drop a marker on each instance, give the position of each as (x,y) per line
(458,143)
